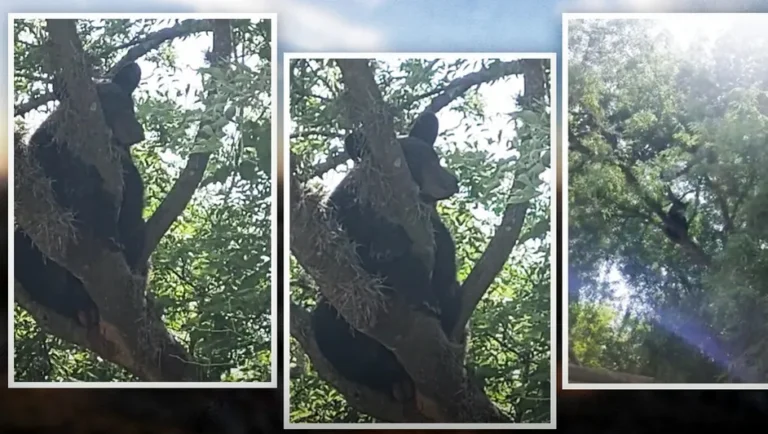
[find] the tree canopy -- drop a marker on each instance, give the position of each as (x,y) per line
(652,122)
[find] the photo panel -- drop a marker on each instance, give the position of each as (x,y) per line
(420,223)
(666,201)
(144,192)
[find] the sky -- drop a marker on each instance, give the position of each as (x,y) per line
(392,25)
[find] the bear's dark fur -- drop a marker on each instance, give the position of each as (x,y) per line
(78,186)
(676,225)
(384,249)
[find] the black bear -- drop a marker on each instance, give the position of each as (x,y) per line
(676,224)
(384,249)
(78,187)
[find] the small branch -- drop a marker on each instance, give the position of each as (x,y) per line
(331,163)
(32,104)
(461,85)
(186,185)
(156,39)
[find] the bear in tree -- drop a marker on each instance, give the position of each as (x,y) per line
(676,224)
(78,187)
(384,250)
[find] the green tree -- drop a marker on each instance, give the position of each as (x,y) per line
(499,221)
(653,122)
(204,312)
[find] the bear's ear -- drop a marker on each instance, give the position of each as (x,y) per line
(128,77)
(353,144)
(425,128)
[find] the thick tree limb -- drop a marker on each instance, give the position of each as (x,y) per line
(500,247)
(490,263)
(127,333)
(186,185)
(151,42)
(375,404)
(70,76)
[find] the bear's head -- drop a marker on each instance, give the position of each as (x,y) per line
(435,181)
(116,98)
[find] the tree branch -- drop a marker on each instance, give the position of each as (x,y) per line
(182,191)
(399,200)
(70,68)
(461,85)
(500,247)
(490,263)
(583,374)
(155,39)
(32,104)
(331,163)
